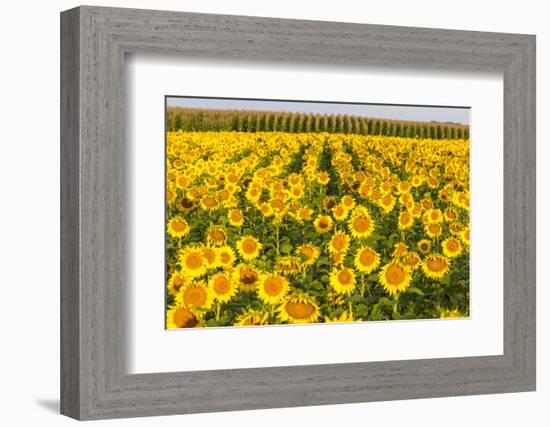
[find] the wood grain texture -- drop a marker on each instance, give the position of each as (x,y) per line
(94,382)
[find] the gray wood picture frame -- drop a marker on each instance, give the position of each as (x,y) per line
(94,381)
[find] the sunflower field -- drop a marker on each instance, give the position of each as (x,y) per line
(276,228)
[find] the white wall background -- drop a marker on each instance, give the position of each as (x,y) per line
(29,212)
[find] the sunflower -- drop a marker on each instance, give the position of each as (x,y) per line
(176,281)
(367,260)
(433,215)
(223,288)
(451,314)
(433,229)
(394,278)
(342,281)
(249,247)
(340,212)
(323,178)
(361,224)
(412,260)
(387,202)
(465,236)
(405,220)
(246,277)
(209,256)
(178,226)
(299,308)
(236,218)
(252,318)
(225,256)
(345,317)
(272,289)
(304,214)
(308,253)
(195,296)
(435,266)
(265,209)
(348,202)
(217,235)
(181,317)
(400,249)
(209,203)
(451,247)
(339,243)
(322,224)
(424,246)
(192,262)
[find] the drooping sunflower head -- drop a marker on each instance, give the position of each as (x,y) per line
(178,226)
(367,260)
(217,235)
(223,287)
(433,229)
(249,247)
(412,260)
(176,281)
(342,280)
(435,266)
(400,249)
(252,318)
(299,308)
(308,253)
(192,262)
(339,243)
(394,277)
(181,317)
(209,202)
(344,317)
(451,314)
(247,277)
(322,224)
(272,288)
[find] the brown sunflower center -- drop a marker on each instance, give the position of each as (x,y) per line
(366,257)
(249,246)
(307,251)
(225,257)
(395,274)
(452,245)
(300,310)
(236,216)
(361,224)
(273,285)
(221,285)
(436,264)
(345,277)
(193,261)
(179,225)
(248,276)
(183,318)
(195,296)
(323,222)
(339,242)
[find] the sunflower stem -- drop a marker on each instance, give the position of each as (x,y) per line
(218,309)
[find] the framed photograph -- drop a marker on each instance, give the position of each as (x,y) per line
(262,213)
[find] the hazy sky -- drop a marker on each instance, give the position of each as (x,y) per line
(399,112)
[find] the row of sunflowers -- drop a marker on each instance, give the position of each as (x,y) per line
(276,228)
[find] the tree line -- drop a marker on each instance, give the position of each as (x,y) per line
(200,120)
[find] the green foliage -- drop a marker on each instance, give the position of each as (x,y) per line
(200,120)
